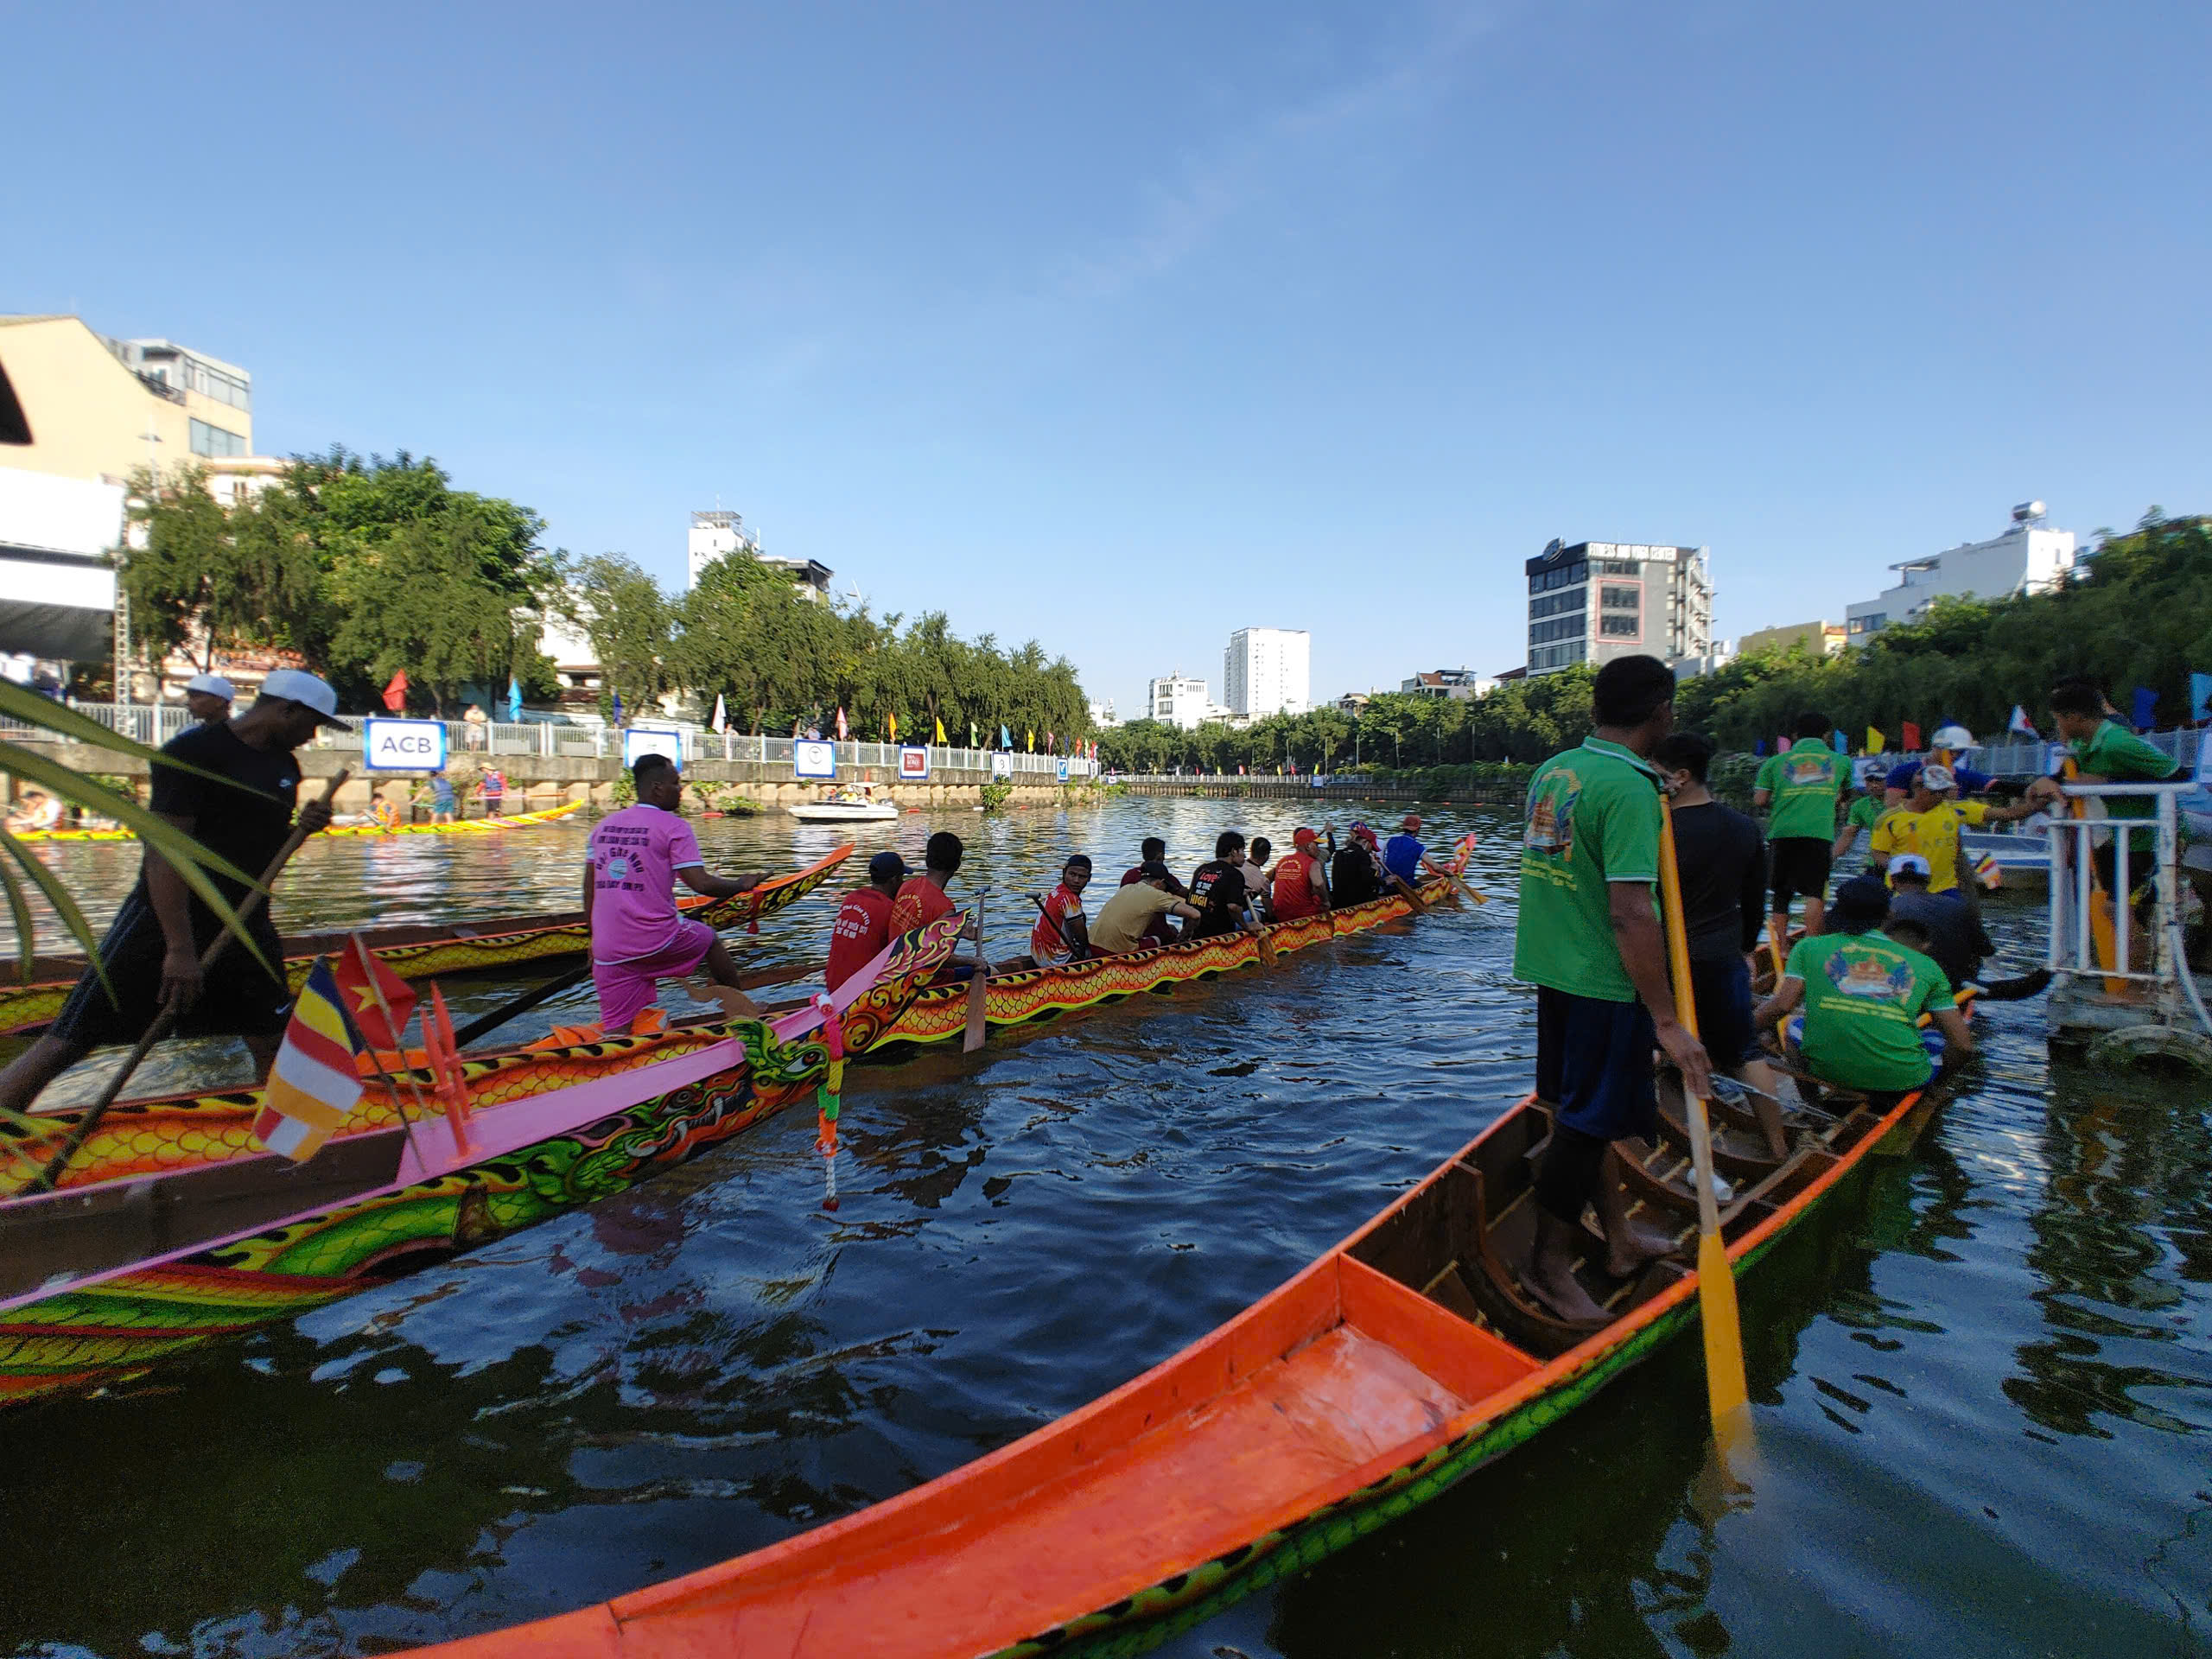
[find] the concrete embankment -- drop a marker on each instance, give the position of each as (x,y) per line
(547,780)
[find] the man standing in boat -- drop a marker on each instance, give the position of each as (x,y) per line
(1588,937)
(638,935)
(152,950)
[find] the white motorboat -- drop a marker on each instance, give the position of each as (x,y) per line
(850,804)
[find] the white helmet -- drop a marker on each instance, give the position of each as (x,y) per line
(1954,737)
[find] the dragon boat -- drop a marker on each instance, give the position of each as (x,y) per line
(503,944)
(1390,1370)
(939,1014)
(173,1229)
(461,826)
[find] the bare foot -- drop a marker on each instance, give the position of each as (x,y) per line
(1550,1273)
(1636,1248)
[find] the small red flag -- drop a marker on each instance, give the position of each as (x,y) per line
(395,693)
(1911,737)
(362,979)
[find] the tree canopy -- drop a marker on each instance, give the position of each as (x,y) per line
(363,565)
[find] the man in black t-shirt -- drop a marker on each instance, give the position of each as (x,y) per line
(1355,872)
(152,949)
(1721,858)
(1218,889)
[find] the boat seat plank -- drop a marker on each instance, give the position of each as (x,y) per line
(1301,1428)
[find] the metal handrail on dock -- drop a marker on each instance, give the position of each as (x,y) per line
(2072,955)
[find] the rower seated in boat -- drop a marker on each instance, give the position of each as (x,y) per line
(1220,893)
(37,810)
(1060,936)
(152,951)
(1301,883)
(638,935)
(863,926)
(1256,878)
(1125,921)
(1153,850)
(1863,995)
(1405,855)
(922,899)
(1355,872)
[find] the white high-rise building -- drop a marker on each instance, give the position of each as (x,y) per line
(1180,702)
(1267,671)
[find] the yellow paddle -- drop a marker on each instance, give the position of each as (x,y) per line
(1725,1387)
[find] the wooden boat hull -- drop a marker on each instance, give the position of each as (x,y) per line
(939,1014)
(1369,1384)
(113,1324)
(504,944)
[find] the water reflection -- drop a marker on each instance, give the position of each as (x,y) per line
(1980,1375)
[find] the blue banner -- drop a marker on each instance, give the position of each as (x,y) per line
(2146,707)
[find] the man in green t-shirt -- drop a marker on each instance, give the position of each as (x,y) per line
(1588,937)
(1798,787)
(1863,996)
(1868,804)
(2106,751)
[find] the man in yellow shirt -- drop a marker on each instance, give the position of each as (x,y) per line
(1928,824)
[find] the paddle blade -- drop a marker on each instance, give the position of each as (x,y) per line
(1725,1386)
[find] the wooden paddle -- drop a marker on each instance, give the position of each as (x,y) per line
(1055,921)
(1727,1393)
(977,1025)
(2102,930)
(165,1022)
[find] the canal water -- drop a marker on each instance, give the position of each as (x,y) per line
(1983,1377)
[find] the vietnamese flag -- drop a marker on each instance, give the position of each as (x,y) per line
(395,694)
(1911,738)
(361,979)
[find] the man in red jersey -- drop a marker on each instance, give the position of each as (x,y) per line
(923,899)
(1301,884)
(863,924)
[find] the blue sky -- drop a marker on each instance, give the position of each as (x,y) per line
(1122,328)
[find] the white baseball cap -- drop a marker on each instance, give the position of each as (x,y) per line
(1954,737)
(213,685)
(1937,779)
(1910,864)
(310,690)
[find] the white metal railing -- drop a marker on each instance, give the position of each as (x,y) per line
(2074,898)
(155,724)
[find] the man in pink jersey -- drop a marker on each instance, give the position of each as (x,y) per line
(638,935)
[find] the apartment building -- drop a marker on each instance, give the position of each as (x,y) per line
(1596,600)
(717,534)
(2029,557)
(1267,671)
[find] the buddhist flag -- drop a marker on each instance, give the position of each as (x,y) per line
(2021,723)
(362,979)
(940,731)
(314,1083)
(1911,738)
(1875,741)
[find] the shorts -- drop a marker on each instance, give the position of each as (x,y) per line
(1797,865)
(1722,991)
(237,997)
(626,988)
(1593,1064)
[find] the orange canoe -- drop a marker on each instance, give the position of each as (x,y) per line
(1391,1367)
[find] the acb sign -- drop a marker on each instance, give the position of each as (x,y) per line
(402,745)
